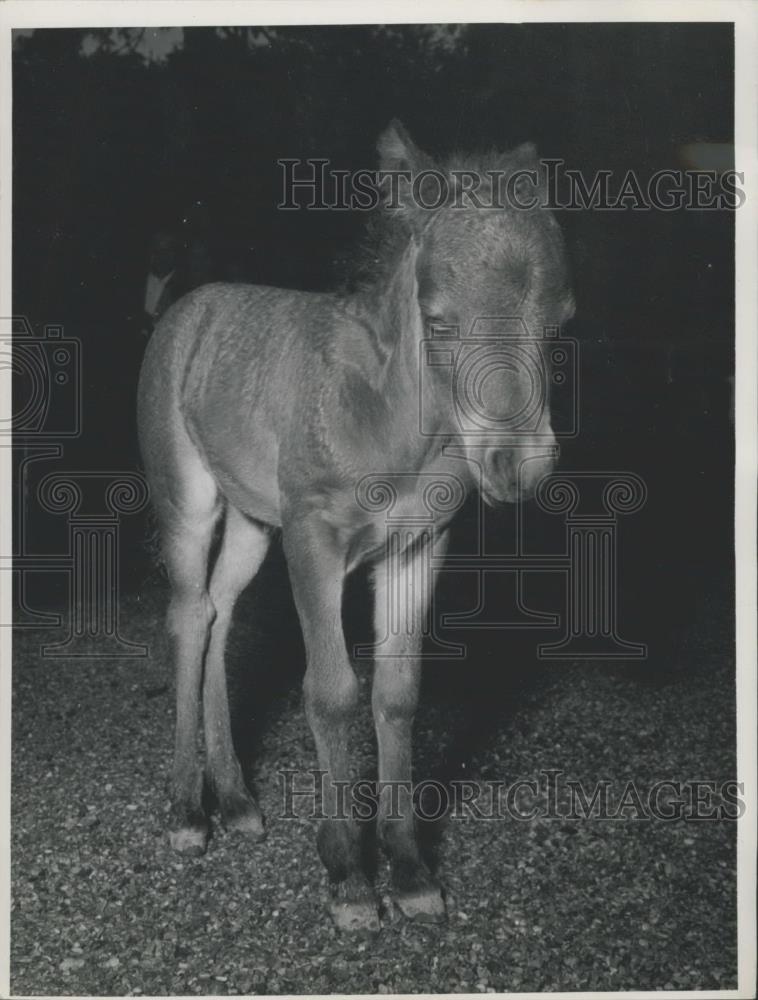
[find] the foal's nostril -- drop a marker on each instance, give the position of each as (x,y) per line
(500,473)
(501,465)
(512,474)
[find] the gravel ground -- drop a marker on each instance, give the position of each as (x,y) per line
(101,905)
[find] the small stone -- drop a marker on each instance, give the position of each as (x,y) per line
(69,964)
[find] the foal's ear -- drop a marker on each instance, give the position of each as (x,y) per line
(397,151)
(530,184)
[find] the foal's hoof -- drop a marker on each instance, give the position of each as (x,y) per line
(189,840)
(240,814)
(358,915)
(248,823)
(423,905)
(354,906)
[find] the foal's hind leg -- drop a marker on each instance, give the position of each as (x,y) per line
(242,551)
(403,590)
(187,536)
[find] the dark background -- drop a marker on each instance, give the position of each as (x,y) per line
(110,146)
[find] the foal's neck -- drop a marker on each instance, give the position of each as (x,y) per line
(397,324)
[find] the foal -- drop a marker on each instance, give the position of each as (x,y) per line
(267,407)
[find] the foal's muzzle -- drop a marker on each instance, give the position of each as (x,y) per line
(512,474)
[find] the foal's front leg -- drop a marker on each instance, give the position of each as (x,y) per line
(317,571)
(403,591)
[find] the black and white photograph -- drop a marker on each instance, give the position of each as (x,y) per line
(378,550)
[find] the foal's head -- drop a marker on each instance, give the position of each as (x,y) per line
(492,288)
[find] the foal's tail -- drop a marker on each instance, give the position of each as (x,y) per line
(170,458)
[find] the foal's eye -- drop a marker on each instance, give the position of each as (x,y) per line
(441,328)
(434,319)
